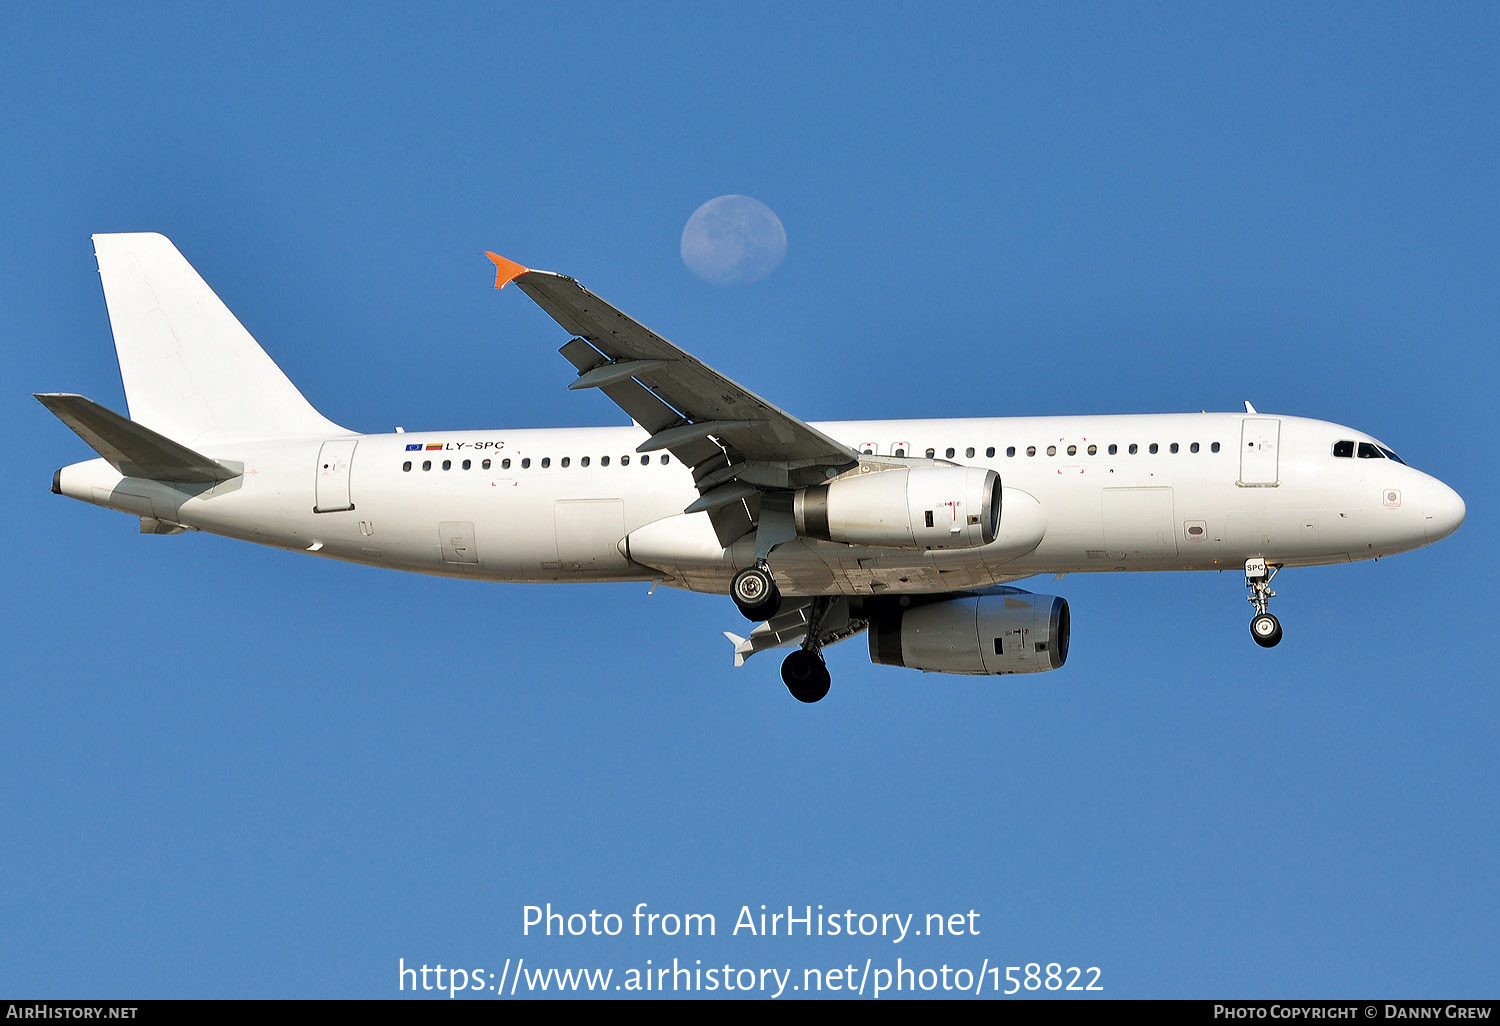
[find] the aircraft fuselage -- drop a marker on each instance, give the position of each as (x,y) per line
(1140,492)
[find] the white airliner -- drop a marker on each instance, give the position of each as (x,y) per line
(909,530)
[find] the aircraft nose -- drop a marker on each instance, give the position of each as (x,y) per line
(1443,512)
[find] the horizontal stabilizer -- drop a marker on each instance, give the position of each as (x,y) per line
(133,450)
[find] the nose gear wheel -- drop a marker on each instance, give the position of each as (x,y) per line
(1265,629)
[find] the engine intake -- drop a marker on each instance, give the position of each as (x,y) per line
(906,508)
(1011,632)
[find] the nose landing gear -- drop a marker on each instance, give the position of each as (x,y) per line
(1264,628)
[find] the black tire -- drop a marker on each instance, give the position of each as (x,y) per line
(755,593)
(805,675)
(1266,630)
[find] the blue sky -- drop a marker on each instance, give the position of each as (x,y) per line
(232,771)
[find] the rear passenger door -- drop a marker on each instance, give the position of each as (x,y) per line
(335,458)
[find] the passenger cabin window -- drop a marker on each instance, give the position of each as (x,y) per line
(969,452)
(526,463)
(1010,450)
(426,464)
(1093,450)
(1113,449)
(1214,447)
(1134,448)
(950,452)
(1193,447)
(1051,450)
(467,464)
(1343,449)
(1154,447)
(447,464)
(1031,450)
(624,461)
(505,463)
(1174,447)
(646,460)
(1072,450)
(990,452)
(406,465)
(546,462)
(603,461)
(566,460)
(665,459)
(486,465)
(931,453)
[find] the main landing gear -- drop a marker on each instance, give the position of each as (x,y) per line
(1264,628)
(804,672)
(805,675)
(755,592)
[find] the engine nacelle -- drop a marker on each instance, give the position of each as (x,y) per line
(1014,632)
(906,508)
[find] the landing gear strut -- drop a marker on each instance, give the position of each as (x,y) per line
(804,672)
(1264,628)
(755,592)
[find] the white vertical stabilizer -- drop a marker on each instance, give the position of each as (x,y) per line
(191,370)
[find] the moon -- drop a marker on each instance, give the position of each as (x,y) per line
(733,240)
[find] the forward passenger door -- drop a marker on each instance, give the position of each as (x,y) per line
(1259,439)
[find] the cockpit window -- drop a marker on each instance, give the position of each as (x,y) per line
(1390,455)
(1343,449)
(1369,452)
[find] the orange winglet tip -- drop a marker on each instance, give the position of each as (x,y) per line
(506,271)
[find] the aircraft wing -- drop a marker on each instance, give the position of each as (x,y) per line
(737,443)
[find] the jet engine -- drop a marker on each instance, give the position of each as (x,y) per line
(1006,632)
(906,508)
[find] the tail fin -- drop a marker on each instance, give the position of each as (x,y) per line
(191,370)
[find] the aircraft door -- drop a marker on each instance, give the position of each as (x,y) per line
(588,533)
(456,539)
(334,460)
(1259,440)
